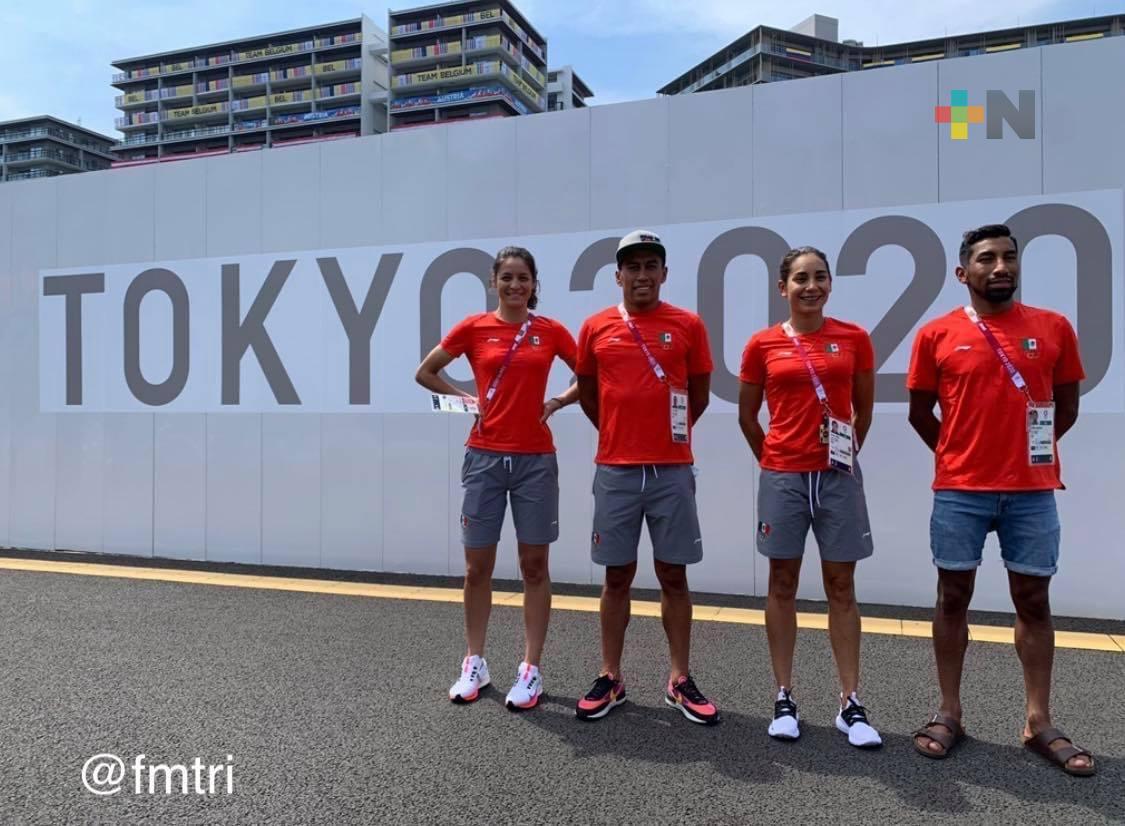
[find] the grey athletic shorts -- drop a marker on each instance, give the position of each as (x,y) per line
(830,501)
(661,495)
(532,482)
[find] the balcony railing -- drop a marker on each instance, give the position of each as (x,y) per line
(212,61)
(48,132)
(438,22)
(42,153)
(33,173)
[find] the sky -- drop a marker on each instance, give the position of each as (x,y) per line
(57,54)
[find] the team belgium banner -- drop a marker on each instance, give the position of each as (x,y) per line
(339,330)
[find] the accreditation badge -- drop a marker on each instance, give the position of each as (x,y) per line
(1041,433)
(841,445)
(680,417)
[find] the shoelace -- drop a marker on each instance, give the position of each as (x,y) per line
(688,688)
(601,687)
(785,708)
(854,713)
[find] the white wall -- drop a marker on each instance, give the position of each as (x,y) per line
(380,491)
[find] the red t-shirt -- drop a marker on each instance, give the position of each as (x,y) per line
(838,351)
(511,421)
(634,406)
(983,443)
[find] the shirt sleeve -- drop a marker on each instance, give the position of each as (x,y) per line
(753,369)
(458,340)
(864,352)
(923,366)
(1068,369)
(565,348)
(586,363)
(699,356)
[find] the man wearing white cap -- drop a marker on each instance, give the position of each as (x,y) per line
(644,378)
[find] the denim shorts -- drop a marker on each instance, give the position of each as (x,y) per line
(1027,525)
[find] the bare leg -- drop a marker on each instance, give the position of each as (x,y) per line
(951,638)
(675,612)
(479,563)
(781,618)
(615,615)
(536,599)
(843,622)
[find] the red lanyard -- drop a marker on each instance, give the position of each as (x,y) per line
(652,362)
(818,386)
(495,385)
(998,348)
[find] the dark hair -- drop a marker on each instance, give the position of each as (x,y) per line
(527,258)
(975,236)
(793,255)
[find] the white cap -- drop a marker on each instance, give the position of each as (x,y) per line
(640,239)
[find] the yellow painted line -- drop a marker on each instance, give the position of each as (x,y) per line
(705,613)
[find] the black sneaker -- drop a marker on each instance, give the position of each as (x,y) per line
(785,725)
(604,695)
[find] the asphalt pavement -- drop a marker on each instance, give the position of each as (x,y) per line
(325,709)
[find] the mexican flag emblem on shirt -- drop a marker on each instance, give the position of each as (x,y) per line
(1030,347)
(832,349)
(666,340)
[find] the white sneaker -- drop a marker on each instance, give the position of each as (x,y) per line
(786,720)
(852,721)
(526,690)
(474,677)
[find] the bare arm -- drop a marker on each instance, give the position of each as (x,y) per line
(863,402)
(428,371)
(749,404)
(1066,408)
(588,397)
(563,399)
(699,394)
(922,417)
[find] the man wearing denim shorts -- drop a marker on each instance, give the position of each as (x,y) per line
(644,377)
(1006,377)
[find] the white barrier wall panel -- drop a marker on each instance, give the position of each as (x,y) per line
(79,462)
(553,197)
(890,143)
(234,203)
(481,180)
(234,487)
(983,168)
(7,354)
(576,443)
(179,501)
(726,491)
(291,503)
(698,188)
(351,491)
(413,211)
(180,210)
(416,505)
(34,245)
(128,440)
(1091,564)
(127,512)
(798,146)
(1082,124)
(351,175)
(291,198)
(629,164)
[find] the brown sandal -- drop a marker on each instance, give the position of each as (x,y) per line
(1041,744)
(946,740)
